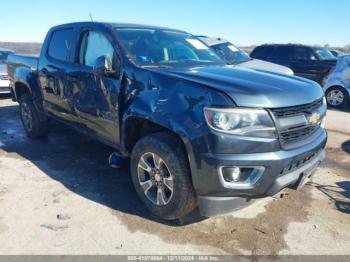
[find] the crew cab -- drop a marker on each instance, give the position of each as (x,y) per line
(197,132)
(313,63)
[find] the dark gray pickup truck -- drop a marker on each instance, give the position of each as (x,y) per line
(198,133)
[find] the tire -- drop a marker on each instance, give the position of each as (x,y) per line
(32,124)
(337,97)
(169,152)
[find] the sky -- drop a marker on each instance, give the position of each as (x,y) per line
(243,22)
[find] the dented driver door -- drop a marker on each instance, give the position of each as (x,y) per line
(95,98)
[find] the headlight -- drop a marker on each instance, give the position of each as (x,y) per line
(241,121)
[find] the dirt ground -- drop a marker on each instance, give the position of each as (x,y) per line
(59,196)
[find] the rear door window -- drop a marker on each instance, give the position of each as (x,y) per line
(61,43)
(262,52)
(303,53)
(282,53)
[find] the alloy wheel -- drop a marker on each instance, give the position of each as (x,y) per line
(27,117)
(155,179)
(335,97)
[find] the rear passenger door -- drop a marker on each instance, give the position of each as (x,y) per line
(305,63)
(282,55)
(55,62)
(95,98)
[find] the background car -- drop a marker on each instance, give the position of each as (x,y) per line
(335,53)
(310,62)
(4,79)
(337,83)
(232,55)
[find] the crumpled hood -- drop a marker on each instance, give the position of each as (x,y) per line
(266,66)
(252,88)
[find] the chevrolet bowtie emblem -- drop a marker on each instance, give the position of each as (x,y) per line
(314,118)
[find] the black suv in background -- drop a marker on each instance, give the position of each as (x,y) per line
(310,62)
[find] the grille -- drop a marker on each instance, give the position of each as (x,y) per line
(296,110)
(4,77)
(297,134)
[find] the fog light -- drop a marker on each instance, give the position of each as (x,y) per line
(231,174)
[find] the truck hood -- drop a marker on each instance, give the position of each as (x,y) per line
(266,66)
(252,88)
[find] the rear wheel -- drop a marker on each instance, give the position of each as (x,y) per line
(337,97)
(33,125)
(161,176)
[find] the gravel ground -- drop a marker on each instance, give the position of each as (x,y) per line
(59,196)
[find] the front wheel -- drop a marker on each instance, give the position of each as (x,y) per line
(337,97)
(161,176)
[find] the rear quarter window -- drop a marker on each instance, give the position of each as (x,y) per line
(60,44)
(262,52)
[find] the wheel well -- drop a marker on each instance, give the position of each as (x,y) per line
(339,87)
(137,128)
(20,90)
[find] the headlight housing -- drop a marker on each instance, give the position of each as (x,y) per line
(247,122)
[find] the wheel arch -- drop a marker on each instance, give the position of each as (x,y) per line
(136,127)
(21,88)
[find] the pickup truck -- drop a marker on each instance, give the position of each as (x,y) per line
(197,132)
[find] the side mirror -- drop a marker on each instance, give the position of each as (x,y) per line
(103,64)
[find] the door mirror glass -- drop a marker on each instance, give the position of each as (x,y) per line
(103,65)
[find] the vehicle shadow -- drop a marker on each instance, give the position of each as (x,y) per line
(346,146)
(339,194)
(78,163)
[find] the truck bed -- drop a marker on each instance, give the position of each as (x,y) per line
(21,61)
(27,60)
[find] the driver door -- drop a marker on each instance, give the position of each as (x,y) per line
(95,97)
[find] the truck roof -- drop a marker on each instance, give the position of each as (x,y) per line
(115,25)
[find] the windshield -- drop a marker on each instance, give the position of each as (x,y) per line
(153,47)
(230,54)
(324,54)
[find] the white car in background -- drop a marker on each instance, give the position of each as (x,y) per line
(337,84)
(232,55)
(4,79)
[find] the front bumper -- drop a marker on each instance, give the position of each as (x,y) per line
(282,169)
